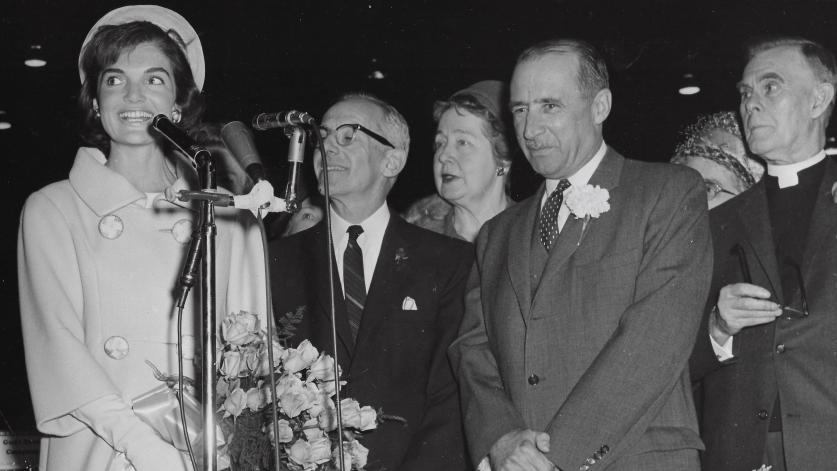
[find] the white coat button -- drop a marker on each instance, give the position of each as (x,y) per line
(116,347)
(111,226)
(182,230)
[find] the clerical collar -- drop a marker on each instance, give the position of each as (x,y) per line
(787,174)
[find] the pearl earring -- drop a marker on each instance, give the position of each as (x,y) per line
(175,116)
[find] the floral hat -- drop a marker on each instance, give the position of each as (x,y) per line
(169,21)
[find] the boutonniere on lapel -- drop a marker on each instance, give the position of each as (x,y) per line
(587,201)
(401,258)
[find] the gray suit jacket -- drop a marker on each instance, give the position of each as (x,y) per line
(607,331)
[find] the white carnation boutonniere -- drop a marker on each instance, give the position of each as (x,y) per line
(764,467)
(587,201)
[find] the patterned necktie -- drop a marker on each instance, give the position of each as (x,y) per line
(548,223)
(353,281)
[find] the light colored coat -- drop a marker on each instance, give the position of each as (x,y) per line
(96,267)
(595,354)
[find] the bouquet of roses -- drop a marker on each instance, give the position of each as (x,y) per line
(305,385)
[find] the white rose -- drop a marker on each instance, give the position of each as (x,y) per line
(301,357)
(322,369)
(359,454)
(240,328)
(235,403)
(231,364)
(286,433)
(255,399)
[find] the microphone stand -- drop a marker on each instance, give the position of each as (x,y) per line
(208,231)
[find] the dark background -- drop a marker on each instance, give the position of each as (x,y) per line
(278,55)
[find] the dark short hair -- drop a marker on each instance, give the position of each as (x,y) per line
(592,69)
(819,58)
(495,128)
(105,48)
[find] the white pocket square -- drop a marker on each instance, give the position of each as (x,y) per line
(409,304)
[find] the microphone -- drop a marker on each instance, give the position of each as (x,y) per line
(296,154)
(180,139)
(282,119)
(239,140)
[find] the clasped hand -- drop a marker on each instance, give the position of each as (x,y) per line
(741,305)
(521,450)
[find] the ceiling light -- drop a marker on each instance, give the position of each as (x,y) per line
(4,121)
(377,75)
(36,57)
(689,85)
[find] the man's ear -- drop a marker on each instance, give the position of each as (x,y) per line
(823,96)
(601,105)
(393,162)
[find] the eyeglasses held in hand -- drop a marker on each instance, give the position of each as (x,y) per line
(345,134)
(789,312)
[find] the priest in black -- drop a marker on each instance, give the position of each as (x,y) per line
(398,292)
(766,357)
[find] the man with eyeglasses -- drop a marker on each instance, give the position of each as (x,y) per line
(766,357)
(398,291)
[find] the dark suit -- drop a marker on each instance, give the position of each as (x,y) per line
(796,358)
(399,362)
(596,354)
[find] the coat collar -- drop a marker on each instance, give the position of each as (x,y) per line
(103,190)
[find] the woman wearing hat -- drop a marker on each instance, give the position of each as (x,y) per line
(99,253)
(471,162)
(713,146)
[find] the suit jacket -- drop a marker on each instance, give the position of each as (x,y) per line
(597,356)
(399,362)
(796,358)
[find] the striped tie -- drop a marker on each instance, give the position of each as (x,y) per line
(548,222)
(353,281)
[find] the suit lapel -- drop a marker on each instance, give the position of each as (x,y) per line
(518,257)
(383,291)
(755,217)
(572,234)
(823,220)
(319,254)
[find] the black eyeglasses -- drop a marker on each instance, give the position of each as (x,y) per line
(789,312)
(345,134)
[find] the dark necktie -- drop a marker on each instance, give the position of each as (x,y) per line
(353,281)
(548,223)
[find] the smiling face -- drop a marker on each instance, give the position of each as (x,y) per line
(464,167)
(355,171)
(132,91)
(779,105)
(557,125)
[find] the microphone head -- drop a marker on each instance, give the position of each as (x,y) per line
(239,140)
(160,119)
(265,121)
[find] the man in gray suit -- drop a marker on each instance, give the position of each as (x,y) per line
(585,299)
(766,353)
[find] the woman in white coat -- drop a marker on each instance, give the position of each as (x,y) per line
(99,253)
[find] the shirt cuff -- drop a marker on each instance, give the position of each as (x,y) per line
(722,352)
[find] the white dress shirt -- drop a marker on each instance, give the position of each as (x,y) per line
(369,241)
(580,178)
